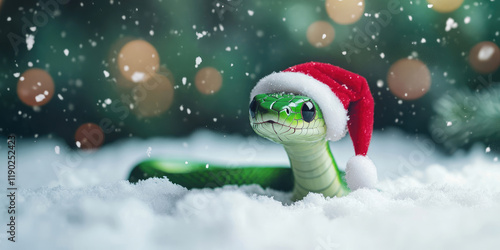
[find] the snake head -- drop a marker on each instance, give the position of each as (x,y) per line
(287,118)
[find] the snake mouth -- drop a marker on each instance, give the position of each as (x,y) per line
(269,122)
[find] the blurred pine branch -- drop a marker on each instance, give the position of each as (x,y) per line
(464,117)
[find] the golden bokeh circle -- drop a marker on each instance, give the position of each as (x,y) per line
(153,97)
(345,11)
(113,68)
(138,60)
(320,34)
(208,80)
(35,87)
(484,57)
(409,79)
(445,6)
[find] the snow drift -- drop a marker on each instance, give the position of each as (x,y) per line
(74,200)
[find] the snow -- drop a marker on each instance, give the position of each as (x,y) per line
(485,53)
(380,83)
(138,76)
(200,35)
(39,97)
(198,61)
(30,41)
(450,24)
(425,200)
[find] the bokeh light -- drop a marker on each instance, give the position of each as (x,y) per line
(445,6)
(409,79)
(138,60)
(345,11)
(168,73)
(89,136)
(367,37)
(154,96)
(114,69)
(208,80)
(35,87)
(320,34)
(484,57)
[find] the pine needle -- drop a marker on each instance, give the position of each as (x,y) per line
(464,117)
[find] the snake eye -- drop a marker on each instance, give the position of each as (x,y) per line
(308,111)
(253,108)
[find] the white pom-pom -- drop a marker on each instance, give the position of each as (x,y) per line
(360,173)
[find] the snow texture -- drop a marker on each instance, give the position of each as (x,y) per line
(424,200)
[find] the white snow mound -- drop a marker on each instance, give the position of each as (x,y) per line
(81,201)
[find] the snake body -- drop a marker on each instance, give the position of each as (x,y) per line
(294,121)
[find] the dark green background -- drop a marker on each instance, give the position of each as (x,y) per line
(282,45)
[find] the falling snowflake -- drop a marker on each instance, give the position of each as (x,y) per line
(198,62)
(450,24)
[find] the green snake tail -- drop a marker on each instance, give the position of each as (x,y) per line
(197,175)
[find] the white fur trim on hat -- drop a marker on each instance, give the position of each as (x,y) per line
(360,172)
(333,110)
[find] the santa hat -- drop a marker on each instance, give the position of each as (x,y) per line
(345,101)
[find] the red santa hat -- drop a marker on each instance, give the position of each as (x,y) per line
(345,101)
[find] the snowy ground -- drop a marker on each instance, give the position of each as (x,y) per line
(76,200)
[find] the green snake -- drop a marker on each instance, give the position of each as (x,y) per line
(297,123)
(294,121)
